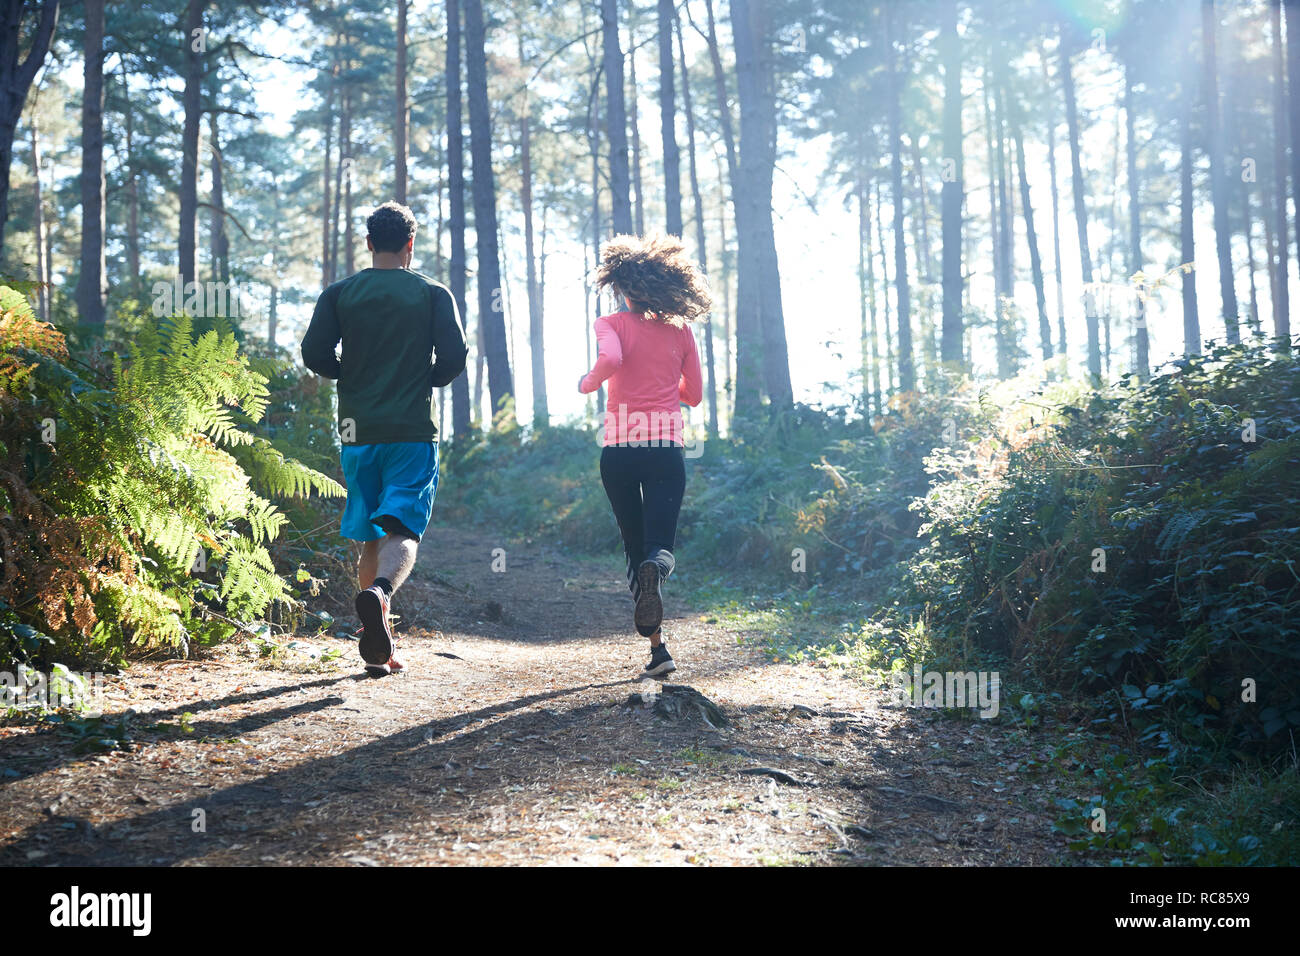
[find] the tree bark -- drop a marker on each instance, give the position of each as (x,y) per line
(764,353)
(1081,217)
(634,123)
(1056,215)
(1004,334)
(668,120)
(950,349)
(903,312)
(491,319)
(1135,264)
(191,101)
(615,119)
(1218,176)
(1282,282)
(700,238)
(460,406)
(1187,239)
(402,111)
(92,283)
(132,193)
(218,241)
(1031,237)
(38,221)
(16,76)
(541,417)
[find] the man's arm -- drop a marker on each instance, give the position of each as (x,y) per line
(323,334)
(449,348)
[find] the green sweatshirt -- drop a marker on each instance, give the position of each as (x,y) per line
(402,338)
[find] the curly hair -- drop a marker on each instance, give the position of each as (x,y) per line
(655,276)
(390,227)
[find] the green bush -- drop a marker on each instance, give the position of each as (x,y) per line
(1198,526)
(111,488)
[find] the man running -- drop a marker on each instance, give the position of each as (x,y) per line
(402,338)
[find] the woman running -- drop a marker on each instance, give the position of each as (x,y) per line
(647,354)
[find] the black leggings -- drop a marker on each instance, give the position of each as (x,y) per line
(645,485)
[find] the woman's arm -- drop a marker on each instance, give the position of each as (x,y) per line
(608,360)
(691,387)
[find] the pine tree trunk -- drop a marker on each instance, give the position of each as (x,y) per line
(92,283)
(16,78)
(1135,263)
(634,124)
(191,102)
(218,241)
(1031,238)
(615,119)
(1003,332)
(38,221)
(1081,218)
(1282,282)
(132,192)
(349,244)
(701,243)
(401,120)
(903,312)
(866,256)
(327,274)
(491,319)
(668,120)
(1056,215)
(1292,8)
(950,349)
(1218,176)
(541,417)
(460,405)
(763,363)
(891,370)
(1187,216)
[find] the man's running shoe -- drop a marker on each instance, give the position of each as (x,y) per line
(661,663)
(376,642)
(649,612)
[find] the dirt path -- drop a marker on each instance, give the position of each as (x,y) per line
(521,736)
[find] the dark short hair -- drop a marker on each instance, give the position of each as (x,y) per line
(390,227)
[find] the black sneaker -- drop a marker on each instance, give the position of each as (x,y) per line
(376,644)
(649,613)
(661,663)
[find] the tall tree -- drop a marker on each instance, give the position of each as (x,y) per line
(1282,280)
(764,350)
(668,120)
(615,118)
(541,417)
(490,306)
(1056,211)
(1187,217)
(1135,265)
(16,75)
(402,108)
(192,103)
(460,407)
(219,241)
(1081,213)
(1031,238)
(92,283)
(1293,92)
(950,349)
(1218,175)
(906,366)
(700,236)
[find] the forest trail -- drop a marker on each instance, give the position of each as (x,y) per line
(520,735)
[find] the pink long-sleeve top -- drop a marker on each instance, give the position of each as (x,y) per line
(652,368)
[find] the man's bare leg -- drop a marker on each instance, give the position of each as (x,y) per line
(384,565)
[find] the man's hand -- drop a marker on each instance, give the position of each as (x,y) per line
(581,379)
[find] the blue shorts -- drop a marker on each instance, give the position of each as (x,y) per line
(394,479)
